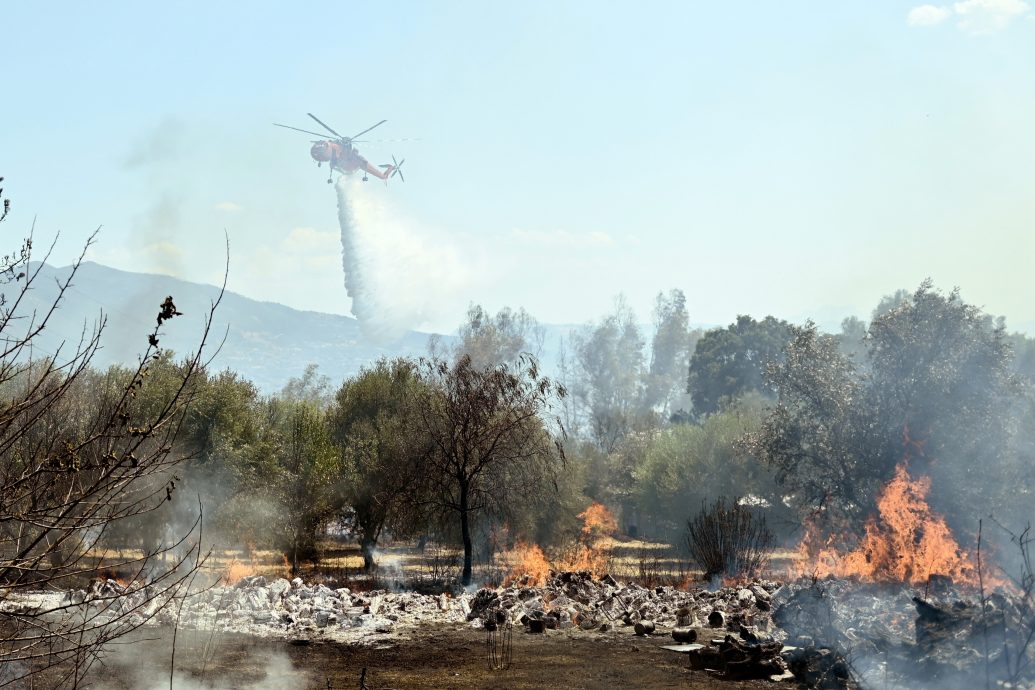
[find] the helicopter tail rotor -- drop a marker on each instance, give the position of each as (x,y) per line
(394,168)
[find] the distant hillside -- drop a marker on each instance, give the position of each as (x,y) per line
(265,342)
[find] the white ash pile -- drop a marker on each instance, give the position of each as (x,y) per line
(569,601)
(259,606)
(577,600)
(850,633)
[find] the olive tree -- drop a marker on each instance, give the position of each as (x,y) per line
(381,460)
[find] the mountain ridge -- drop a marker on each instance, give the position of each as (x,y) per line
(265,342)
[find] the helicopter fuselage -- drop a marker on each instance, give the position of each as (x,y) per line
(344,158)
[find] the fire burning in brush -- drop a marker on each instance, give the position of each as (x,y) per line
(529,564)
(597,522)
(236,569)
(904,542)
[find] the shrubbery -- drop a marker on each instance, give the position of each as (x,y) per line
(728,539)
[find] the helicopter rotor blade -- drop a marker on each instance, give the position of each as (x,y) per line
(370,128)
(323,137)
(324,125)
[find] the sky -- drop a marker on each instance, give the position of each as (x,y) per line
(799,159)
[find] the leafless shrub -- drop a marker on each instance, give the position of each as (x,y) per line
(75,468)
(439,571)
(649,570)
(728,539)
(1018,630)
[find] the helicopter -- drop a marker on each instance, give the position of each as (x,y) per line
(340,154)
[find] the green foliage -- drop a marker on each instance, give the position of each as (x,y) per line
(371,424)
(730,362)
(310,387)
(307,466)
(852,339)
(936,392)
(671,347)
(490,339)
(686,465)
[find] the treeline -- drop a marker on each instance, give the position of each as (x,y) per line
(475,445)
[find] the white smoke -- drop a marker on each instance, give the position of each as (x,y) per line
(147,670)
(397,277)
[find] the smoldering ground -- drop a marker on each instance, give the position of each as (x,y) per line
(203,661)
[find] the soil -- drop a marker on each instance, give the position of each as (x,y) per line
(435,657)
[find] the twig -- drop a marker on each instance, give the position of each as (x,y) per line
(984,609)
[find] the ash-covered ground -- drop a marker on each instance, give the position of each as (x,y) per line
(834,633)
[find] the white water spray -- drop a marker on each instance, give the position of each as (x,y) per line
(397,279)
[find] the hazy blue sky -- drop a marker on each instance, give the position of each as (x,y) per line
(794,158)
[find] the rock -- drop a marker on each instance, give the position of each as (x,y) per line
(588,624)
(278,589)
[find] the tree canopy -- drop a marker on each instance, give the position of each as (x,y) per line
(732,361)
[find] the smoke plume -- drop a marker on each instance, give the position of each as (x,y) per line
(396,277)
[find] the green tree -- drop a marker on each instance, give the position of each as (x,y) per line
(730,362)
(382,457)
(490,339)
(289,475)
(852,338)
(937,393)
(312,387)
(490,448)
(687,465)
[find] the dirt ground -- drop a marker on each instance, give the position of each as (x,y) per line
(437,657)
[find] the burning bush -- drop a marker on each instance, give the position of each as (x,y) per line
(590,552)
(727,539)
(904,542)
(597,522)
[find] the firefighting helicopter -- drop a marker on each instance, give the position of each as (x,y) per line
(340,154)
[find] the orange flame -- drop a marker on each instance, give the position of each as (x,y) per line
(904,542)
(597,522)
(528,565)
(237,570)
